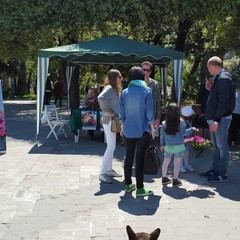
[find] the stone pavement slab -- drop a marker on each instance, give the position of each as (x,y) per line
(52,192)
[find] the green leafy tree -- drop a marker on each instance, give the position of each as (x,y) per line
(233,66)
(195,27)
(228,33)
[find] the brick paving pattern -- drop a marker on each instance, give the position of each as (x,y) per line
(52,191)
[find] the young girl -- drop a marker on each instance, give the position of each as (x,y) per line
(187,112)
(172,142)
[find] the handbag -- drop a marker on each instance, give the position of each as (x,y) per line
(151,161)
(115,127)
(44,117)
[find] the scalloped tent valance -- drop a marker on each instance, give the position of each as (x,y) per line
(111,50)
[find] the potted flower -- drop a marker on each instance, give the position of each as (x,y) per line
(198,144)
(2,133)
(2,127)
(92,104)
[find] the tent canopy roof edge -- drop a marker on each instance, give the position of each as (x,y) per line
(111,47)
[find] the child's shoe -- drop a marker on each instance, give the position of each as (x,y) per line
(183,170)
(166,180)
(177,182)
(189,168)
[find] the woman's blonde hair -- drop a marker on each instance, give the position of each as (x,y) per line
(111,80)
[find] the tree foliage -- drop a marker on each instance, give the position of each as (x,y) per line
(195,27)
(233,66)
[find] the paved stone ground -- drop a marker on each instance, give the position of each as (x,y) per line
(52,192)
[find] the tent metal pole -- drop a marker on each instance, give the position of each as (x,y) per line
(42,72)
(177,75)
(69,72)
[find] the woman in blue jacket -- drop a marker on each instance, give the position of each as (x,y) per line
(136,114)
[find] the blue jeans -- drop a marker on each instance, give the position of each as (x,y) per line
(220,147)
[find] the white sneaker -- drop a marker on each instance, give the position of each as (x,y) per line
(105,178)
(183,170)
(113,173)
(189,168)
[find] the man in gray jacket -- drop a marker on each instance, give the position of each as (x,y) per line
(147,68)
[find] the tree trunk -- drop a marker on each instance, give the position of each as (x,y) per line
(173,94)
(29,82)
(74,94)
(157,40)
(183,29)
(22,79)
(62,75)
(204,69)
(74,98)
(195,65)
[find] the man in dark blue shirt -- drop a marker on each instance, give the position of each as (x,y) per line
(220,105)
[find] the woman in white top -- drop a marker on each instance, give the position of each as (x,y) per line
(108,101)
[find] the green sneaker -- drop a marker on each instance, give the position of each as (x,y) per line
(130,187)
(141,192)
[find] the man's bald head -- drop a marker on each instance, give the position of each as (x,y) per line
(215,61)
(214,64)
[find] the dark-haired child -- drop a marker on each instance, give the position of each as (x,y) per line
(172,135)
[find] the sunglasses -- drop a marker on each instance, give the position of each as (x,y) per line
(120,77)
(146,70)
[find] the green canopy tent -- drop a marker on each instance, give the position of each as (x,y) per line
(109,50)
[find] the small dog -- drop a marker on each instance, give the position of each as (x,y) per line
(142,236)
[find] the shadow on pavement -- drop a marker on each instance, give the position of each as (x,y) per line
(115,187)
(140,205)
(234,154)
(20,130)
(68,147)
(229,190)
(181,193)
(20,120)
(153,178)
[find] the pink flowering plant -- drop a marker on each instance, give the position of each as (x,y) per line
(198,144)
(92,104)
(2,126)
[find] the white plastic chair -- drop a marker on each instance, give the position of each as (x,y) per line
(56,125)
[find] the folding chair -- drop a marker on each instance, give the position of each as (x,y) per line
(56,125)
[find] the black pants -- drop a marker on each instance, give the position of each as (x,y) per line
(47,98)
(233,133)
(140,145)
(60,99)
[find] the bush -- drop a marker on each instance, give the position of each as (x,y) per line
(190,86)
(233,66)
(30,96)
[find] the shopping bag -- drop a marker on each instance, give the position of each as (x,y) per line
(44,117)
(151,161)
